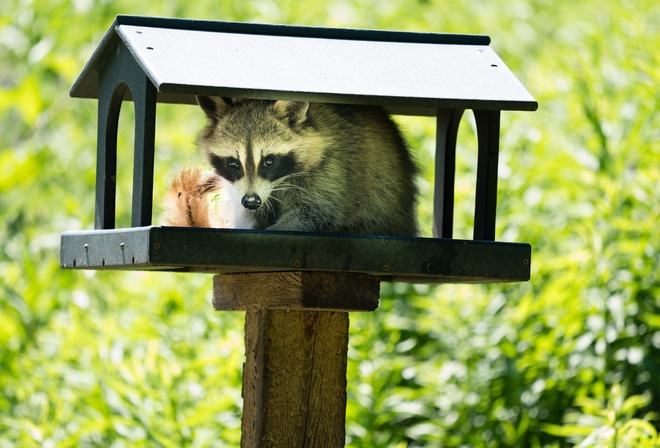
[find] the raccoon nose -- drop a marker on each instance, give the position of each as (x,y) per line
(251,202)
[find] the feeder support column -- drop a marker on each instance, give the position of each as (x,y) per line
(296,343)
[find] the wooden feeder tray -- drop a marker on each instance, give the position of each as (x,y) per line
(239,251)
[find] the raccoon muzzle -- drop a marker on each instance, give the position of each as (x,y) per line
(251,201)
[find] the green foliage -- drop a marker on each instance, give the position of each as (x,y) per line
(139,359)
(610,425)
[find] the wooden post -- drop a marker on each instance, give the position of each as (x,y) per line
(296,342)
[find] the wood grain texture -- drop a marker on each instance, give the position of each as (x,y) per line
(296,344)
(294,379)
(296,290)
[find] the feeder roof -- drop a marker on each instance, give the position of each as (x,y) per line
(414,72)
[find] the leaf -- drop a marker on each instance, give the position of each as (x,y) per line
(566,430)
(603,434)
(640,429)
(635,402)
(590,406)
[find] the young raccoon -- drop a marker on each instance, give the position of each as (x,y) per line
(312,167)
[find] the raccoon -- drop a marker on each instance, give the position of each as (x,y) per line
(312,167)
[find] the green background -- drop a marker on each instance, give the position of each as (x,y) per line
(140,359)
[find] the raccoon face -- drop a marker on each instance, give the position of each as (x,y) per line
(254,178)
(254,145)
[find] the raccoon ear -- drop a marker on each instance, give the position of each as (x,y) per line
(294,111)
(214,106)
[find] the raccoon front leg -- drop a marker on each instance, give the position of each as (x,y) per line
(302,219)
(293,222)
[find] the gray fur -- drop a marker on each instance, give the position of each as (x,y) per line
(353,172)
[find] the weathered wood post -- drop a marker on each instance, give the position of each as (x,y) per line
(296,343)
(297,288)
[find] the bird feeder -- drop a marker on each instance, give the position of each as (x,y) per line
(297,288)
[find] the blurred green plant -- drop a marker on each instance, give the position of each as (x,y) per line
(609,425)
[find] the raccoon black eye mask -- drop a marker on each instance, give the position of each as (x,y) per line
(311,167)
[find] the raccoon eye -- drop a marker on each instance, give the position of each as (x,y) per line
(268,161)
(233,163)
